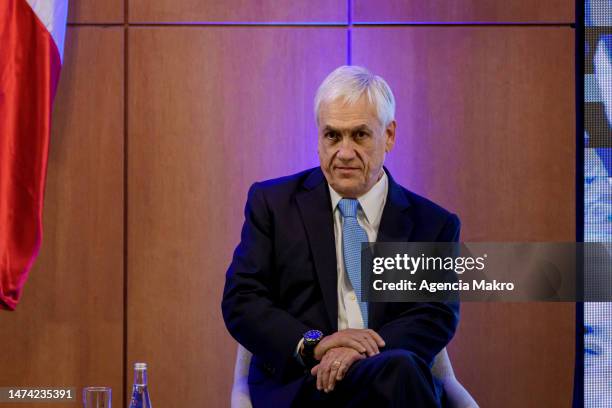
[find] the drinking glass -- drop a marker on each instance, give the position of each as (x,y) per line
(97,397)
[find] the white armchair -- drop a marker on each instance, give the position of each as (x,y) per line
(456,395)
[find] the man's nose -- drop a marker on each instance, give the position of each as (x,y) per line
(346,150)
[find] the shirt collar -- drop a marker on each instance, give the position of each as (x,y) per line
(372,202)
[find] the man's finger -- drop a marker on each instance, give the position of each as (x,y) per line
(379,340)
(347,363)
(324,374)
(342,371)
(372,343)
(353,339)
(334,367)
(356,345)
(320,377)
(341,341)
(315,369)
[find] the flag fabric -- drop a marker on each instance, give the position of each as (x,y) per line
(31,47)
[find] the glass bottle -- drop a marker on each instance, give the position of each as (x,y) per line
(140,390)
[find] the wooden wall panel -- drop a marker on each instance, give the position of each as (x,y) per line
(464,11)
(95,11)
(263,11)
(211,110)
(486,128)
(68,328)
(516,354)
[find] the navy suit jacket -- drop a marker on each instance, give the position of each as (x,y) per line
(282,280)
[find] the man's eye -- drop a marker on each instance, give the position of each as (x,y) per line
(331,135)
(361,134)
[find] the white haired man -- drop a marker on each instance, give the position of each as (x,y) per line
(293,293)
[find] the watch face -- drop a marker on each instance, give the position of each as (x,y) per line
(313,336)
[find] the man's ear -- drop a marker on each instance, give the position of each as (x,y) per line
(390,136)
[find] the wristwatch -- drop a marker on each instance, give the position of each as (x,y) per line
(311,339)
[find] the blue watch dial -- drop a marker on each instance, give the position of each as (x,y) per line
(313,335)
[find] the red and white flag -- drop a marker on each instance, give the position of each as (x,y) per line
(31,47)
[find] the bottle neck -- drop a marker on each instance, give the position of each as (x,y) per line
(140,376)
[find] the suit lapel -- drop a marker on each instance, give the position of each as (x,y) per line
(314,203)
(395,226)
(395,223)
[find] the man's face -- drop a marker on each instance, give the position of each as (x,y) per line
(352,146)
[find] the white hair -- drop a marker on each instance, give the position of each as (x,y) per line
(349,82)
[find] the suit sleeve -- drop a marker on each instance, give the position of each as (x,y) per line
(425,328)
(248,304)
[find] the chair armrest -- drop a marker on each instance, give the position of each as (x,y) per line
(240,390)
(456,395)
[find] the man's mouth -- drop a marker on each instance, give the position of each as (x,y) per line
(346,170)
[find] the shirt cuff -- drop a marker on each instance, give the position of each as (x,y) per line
(297,354)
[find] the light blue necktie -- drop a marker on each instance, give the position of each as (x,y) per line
(352,237)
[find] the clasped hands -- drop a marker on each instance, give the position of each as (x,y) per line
(337,352)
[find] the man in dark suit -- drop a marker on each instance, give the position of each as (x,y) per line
(293,292)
